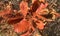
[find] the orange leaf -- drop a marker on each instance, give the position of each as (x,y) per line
(41,7)
(40,25)
(24,7)
(21,26)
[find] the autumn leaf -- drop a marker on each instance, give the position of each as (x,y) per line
(40,25)
(21,26)
(6,11)
(41,7)
(24,7)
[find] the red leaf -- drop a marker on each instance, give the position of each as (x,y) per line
(6,11)
(40,25)
(24,7)
(21,26)
(42,6)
